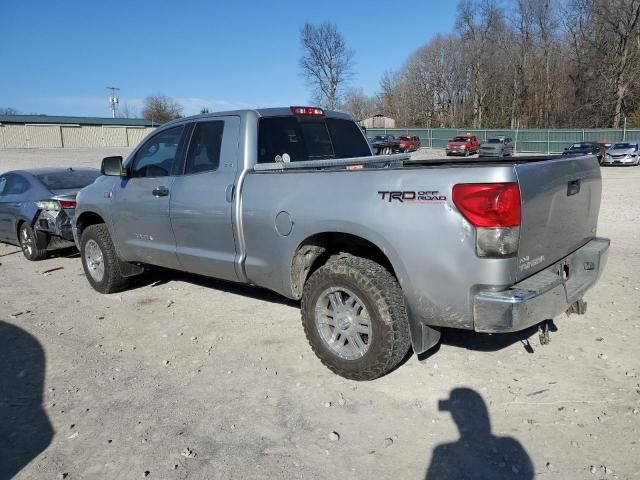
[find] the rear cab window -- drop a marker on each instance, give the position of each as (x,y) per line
(299,139)
(69,179)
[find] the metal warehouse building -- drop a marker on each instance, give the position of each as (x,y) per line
(44,131)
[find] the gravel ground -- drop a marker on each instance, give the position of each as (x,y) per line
(186,377)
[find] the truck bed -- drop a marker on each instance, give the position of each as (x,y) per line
(401,160)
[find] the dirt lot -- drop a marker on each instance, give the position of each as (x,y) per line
(185,377)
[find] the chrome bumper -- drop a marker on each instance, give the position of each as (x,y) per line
(543,295)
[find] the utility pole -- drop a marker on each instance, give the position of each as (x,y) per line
(113,100)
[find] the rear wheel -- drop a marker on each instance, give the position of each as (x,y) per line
(99,260)
(32,243)
(355,319)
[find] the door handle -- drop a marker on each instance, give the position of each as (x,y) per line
(160,191)
(573,187)
(228,193)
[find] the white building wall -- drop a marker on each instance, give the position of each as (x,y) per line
(14,135)
(43,136)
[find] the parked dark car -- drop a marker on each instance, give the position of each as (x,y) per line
(385,144)
(409,143)
(584,148)
(37,206)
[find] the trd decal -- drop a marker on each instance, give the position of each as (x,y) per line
(412,196)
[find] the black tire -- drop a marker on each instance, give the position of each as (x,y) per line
(111,280)
(382,296)
(32,243)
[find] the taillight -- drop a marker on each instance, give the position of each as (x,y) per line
(68,203)
(489,204)
(495,209)
(55,204)
(307,111)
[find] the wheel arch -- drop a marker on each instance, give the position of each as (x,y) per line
(86,219)
(317,249)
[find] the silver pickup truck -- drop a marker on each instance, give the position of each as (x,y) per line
(381,251)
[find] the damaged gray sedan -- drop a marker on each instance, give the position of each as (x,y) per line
(37,206)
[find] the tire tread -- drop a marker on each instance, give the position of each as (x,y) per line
(385,293)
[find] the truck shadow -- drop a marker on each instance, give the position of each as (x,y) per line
(478,453)
(485,342)
(25,430)
(156,276)
(466,339)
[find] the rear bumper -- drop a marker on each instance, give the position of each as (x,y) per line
(626,162)
(458,152)
(490,153)
(56,224)
(543,295)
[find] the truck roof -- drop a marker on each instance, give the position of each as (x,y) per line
(259,112)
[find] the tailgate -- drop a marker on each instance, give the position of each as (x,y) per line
(560,206)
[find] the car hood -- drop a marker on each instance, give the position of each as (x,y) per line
(621,151)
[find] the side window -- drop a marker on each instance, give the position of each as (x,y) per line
(3,182)
(16,185)
(157,156)
(204,148)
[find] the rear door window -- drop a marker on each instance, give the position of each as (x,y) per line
(68,179)
(16,185)
(299,139)
(204,148)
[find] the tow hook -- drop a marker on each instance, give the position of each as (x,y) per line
(579,308)
(543,331)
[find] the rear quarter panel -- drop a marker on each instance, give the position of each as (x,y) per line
(430,245)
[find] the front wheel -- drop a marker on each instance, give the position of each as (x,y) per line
(99,260)
(354,316)
(32,243)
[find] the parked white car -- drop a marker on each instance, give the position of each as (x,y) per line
(623,153)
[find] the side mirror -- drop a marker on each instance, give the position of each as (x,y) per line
(112,166)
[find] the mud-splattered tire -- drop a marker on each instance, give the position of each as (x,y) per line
(362,281)
(99,260)
(32,242)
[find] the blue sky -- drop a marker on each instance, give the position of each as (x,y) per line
(57,57)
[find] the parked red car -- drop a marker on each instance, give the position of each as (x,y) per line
(466,144)
(604,145)
(410,143)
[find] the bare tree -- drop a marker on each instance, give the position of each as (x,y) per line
(357,104)
(8,111)
(523,63)
(161,109)
(126,111)
(326,63)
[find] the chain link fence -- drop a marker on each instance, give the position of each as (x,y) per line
(526,141)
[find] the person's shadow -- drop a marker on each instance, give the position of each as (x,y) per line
(25,430)
(478,454)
